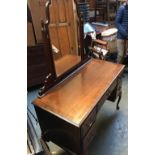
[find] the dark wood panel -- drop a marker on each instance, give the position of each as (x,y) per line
(88,122)
(117,90)
(90,135)
(37,67)
(59,131)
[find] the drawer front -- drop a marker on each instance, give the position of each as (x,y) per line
(89,137)
(119,87)
(112,87)
(106,95)
(88,123)
(117,90)
(102,100)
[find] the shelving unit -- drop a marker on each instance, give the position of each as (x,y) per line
(112,6)
(102,10)
(84,9)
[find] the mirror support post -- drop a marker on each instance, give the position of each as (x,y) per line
(48,51)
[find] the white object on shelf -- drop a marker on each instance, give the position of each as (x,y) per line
(101,50)
(109,32)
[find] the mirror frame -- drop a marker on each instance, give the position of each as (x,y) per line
(52,79)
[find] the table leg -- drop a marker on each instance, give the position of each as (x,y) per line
(45,147)
(119,98)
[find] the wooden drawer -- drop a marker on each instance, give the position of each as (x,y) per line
(116,91)
(88,123)
(112,87)
(106,95)
(37,66)
(89,137)
(119,85)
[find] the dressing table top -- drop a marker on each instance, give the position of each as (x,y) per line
(74,98)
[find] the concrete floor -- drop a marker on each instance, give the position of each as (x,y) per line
(112,127)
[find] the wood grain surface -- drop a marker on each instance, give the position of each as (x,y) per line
(65,63)
(74,98)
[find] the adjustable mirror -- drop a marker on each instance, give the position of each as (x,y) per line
(64,33)
(63,37)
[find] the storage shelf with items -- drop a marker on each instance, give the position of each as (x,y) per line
(102,10)
(84,9)
(112,6)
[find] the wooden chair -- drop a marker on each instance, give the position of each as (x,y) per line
(99,49)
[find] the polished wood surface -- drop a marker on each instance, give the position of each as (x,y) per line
(62,26)
(65,63)
(74,98)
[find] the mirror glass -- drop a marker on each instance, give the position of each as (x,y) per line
(64,34)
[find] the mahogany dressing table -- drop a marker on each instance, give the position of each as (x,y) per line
(69,101)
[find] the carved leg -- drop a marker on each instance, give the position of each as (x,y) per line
(119,98)
(45,147)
